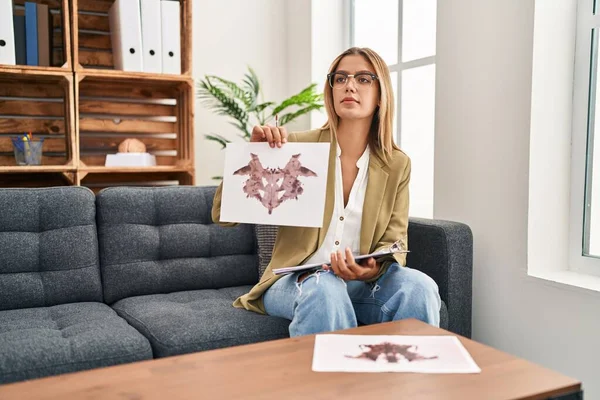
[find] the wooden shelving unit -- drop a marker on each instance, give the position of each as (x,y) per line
(84,108)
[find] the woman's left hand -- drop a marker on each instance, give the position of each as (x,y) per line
(349,270)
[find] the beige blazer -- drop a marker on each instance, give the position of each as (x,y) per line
(384,219)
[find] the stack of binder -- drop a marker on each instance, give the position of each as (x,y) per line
(25,35)
(145,35)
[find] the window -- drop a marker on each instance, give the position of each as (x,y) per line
(591,231)
(403,33)
(585,155)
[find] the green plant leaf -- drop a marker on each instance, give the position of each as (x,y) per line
(246,97)
(261,107)
(239,102)
(307,96)
(219,139)
(287,118)
(251,82)
(216,99)
(217,178)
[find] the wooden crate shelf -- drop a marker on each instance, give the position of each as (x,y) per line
(39,169)
(133,170)
(111,109)
(84,108)
(37,179)
(61,58)
(99,181)
(41,104)
(140,76)
(92,47)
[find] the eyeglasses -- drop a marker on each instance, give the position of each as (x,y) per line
(339,80)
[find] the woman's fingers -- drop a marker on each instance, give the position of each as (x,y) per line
(275,136)
(371,263)
(345,272)
(268,135)
(357,270)
(347,268)
(284,134)
(258,134)
(333,262)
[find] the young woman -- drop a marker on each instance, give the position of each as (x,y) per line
(366,209)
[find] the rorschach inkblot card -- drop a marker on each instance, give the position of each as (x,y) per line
(392,353)
(275,186)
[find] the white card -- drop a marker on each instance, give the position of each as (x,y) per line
(280,186)
(392,353)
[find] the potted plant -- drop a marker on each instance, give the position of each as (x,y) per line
(241,103)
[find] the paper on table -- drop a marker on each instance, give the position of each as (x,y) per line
(396,247)
(392,353)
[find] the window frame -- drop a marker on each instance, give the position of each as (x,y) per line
(584,103)
(400,66)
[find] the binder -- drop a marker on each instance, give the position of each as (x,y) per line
(7,36)
(171,36)
(151,35)
(31,33)
(20,46)
(126,35)
(44,32)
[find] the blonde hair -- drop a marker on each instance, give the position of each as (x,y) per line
(381,132)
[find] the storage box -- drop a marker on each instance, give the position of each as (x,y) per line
(130,160)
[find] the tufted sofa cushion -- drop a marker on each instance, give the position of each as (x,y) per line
(48,247)
(162,240)
(37,342)
(185,322)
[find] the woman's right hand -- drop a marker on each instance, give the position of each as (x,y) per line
(275,136)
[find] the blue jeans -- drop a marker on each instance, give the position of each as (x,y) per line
(322,302)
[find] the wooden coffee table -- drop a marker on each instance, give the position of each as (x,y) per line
(281,369)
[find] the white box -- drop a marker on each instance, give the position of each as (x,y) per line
(130,160)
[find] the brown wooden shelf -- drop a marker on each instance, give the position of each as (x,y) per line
(33,73)
(34,169)
(101,178)
(134,170)
(116,75)
(33,70)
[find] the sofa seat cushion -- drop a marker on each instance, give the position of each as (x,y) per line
(190,321)
(36,342)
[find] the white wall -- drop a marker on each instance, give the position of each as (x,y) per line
(330,36)
(483,111)
(229,35)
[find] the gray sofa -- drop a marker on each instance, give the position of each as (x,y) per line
(138,273)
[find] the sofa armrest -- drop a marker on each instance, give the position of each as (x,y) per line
(444,251)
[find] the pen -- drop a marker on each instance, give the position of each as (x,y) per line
(276,121)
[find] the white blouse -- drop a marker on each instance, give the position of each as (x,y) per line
(345,225)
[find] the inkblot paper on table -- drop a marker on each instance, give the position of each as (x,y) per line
(392,353)
(280,186)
